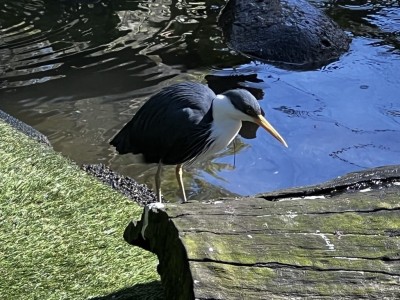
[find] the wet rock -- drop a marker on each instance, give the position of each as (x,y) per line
(139,193)
(288,33)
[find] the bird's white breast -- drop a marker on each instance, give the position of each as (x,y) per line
(225,126)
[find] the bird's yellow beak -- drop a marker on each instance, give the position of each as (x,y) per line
(260,120)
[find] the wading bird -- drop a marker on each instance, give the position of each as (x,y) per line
(186,122)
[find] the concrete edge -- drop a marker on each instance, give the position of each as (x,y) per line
(24,128)
(127,186)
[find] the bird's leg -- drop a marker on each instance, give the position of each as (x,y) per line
(178,172)
(158,181)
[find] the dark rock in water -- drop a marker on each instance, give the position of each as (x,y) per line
(289,33)
(139,193)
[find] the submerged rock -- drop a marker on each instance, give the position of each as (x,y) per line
(288,33)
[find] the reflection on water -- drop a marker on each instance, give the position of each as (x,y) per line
(78,70)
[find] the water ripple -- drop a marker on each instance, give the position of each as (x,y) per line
(77,70)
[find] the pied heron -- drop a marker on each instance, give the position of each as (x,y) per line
(186,122)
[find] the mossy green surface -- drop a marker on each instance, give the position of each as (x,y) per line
(61,230)
(342,247)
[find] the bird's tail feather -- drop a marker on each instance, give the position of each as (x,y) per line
(121,142)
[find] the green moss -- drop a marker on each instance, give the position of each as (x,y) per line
(60,229)
(318,250)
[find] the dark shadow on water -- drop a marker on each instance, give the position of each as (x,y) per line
(147,291)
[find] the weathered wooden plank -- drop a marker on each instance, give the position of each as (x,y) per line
(347,223)
(320,251)
(293,222)
(225,281)
(378,199)
(343,245)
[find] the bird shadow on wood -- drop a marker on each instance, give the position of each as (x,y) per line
(147,291)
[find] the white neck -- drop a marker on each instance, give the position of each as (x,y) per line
(227,121)
(226,124)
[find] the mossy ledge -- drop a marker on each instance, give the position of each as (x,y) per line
(324,241)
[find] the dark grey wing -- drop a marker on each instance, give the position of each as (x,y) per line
(171,126)
(249,129)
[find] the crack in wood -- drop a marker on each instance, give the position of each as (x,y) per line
(381,258)
(277,265)
(274,232)
(392,232)
(378,209)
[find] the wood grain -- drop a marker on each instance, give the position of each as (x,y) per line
(343,246)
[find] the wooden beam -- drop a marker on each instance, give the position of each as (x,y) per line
(343,245)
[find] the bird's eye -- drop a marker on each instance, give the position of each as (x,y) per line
(249,110)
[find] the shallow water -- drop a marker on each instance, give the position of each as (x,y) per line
(77,71)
